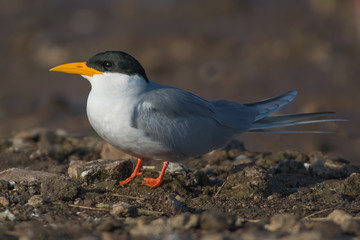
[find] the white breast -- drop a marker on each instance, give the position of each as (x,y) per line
(110,107)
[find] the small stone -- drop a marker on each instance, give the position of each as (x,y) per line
(154,230)
(100,169)
(352,185)
(327,229)
(109,224)
(174,167)
(23,175)
(123,209)
(344,220)
(175,205)
(7,215)
(111,153)
(216,221)
(185,221)
(292,166)
(285,222)
(35,201)
(4,202)
(240,222)
(214,157)
(242,159)
(202,178)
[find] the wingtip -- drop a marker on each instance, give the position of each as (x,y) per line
(294,92)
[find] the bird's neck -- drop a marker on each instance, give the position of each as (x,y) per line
(115,85)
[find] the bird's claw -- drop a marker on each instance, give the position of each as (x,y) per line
(152,182)
(129,179)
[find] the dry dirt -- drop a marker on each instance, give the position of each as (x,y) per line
(230,193)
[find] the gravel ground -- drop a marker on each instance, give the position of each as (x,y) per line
(55,185)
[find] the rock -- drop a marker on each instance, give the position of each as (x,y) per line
(155,230)
(328,168)
(344,220)
(326,229)
(4,201)
(174,167)
(215,157)
(285,222)
(216,221)
(100,169)
(289,154)
(352,186)
(291,166)
(60,189)
(111,153)
(123,209)
(317,168)
(7,215)
(109,224)
(185,221)
(35,201)
(23,175)
(35,134)
(201,178)
(338,190)
(174,205)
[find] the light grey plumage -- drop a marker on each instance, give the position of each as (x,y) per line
(191,126)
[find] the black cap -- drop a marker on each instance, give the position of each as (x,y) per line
(116,61)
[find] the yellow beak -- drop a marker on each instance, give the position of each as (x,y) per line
(76,68)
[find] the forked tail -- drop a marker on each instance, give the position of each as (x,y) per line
(264,123)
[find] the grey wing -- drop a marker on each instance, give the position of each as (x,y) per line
(186,124)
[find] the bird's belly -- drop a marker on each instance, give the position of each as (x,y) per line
(115,128)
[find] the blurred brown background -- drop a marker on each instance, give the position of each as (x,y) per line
(238,50)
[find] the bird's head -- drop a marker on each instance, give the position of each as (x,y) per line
(110,65)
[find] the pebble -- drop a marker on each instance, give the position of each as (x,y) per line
(175,205)
(216,221)
(24,175)
(352,185)
(123,209)
(185,221)
(285,222)
(35,201)
(101,169)
(4,201)
(174,167)
(155,230)
(111,153)
(109,224)
(7,215)
(344,220)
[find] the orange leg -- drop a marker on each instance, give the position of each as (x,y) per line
(155,182)
(135,173)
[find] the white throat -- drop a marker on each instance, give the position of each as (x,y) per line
(115,84)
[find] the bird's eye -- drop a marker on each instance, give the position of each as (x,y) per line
(107,65)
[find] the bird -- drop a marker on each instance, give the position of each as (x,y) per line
(149,120)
